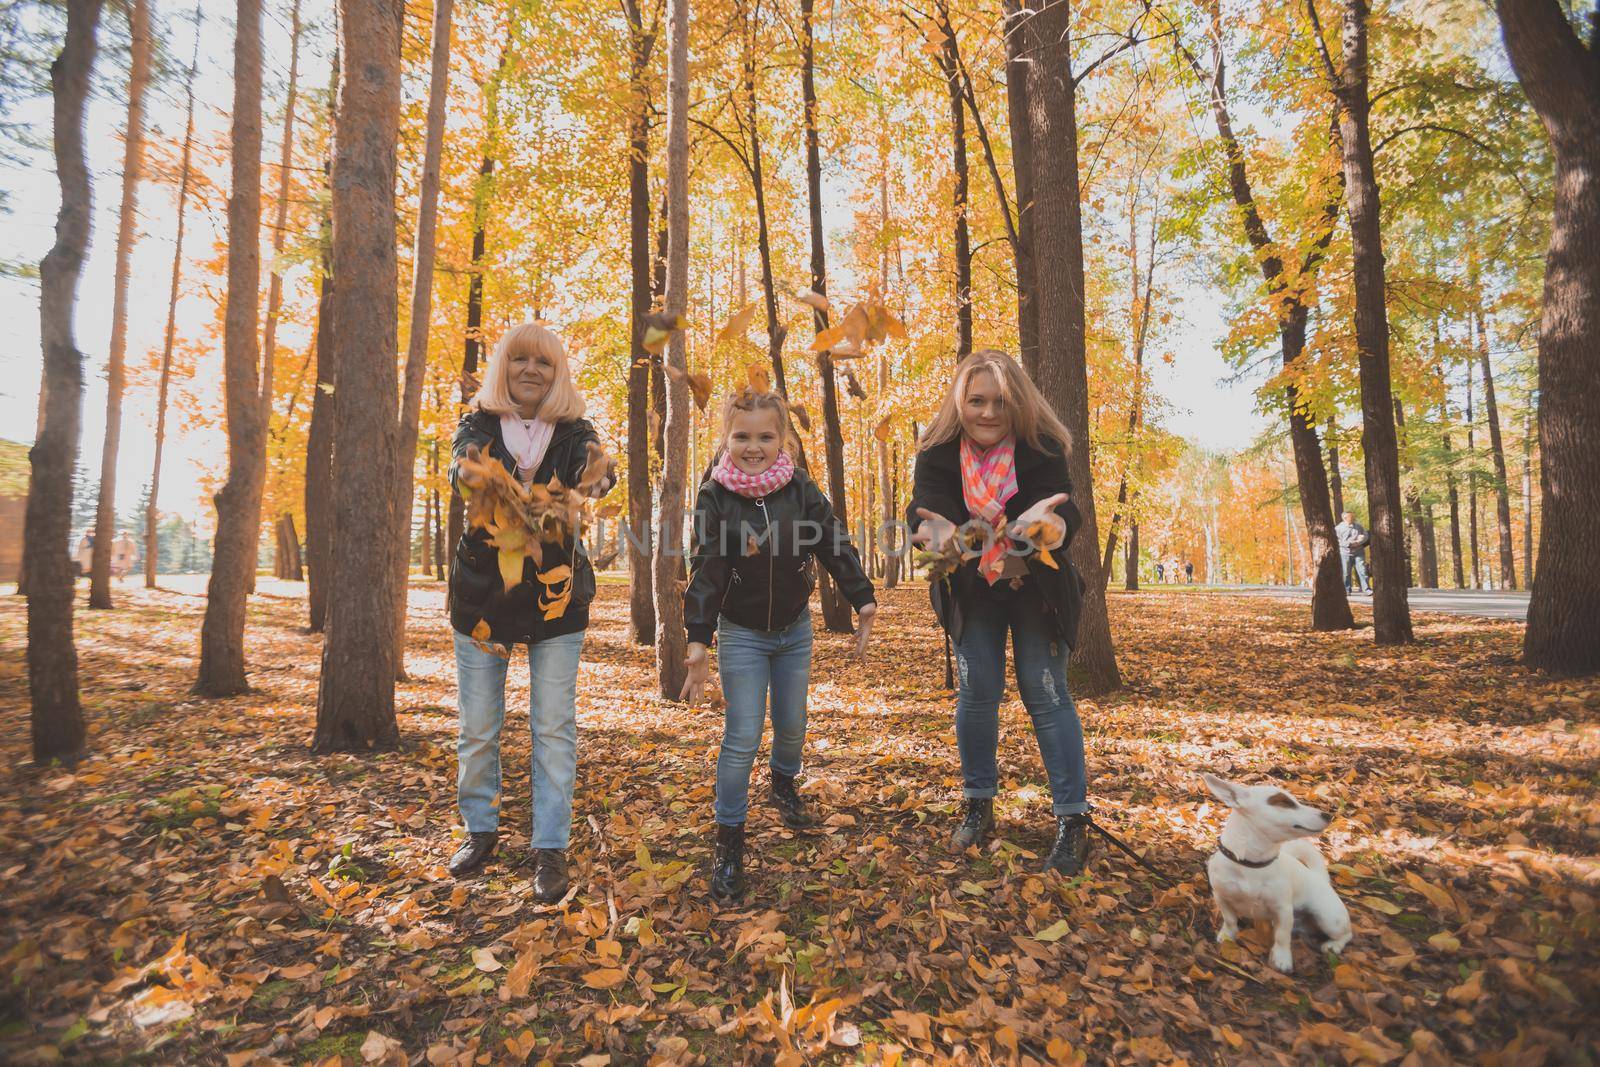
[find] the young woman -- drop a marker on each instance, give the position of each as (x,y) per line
(758,521)
(528,416)
(992,465)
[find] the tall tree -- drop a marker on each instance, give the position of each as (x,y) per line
(151,516)
(1139,327)
(891,562)
(949,62)
(671,640)
(1330,606)
(1063,369)
(355,698)
(1022,175)
(421,318)
(105,519)
(222,670)
(836,613)
(1497,452)
(1472,488)
(1561,76)
(55,714)
(641,601)
(1391,612)
(319,437)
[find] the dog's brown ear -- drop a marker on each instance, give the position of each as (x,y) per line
(1222,789)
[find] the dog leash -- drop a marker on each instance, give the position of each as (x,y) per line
(1161,877)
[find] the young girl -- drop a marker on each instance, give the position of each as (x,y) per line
(757,523)
(529,417)
(994,461)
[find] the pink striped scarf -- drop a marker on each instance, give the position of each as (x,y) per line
(988,480)
(775,477)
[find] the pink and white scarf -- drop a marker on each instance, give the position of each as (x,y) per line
(775,477)
(527,440)
(988,480)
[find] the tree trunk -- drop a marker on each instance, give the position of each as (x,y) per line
(105,518)
(1472,489)
(1335,480)
(950,68)
(288,560)
(890,512)
(1527,492)
(1421,518)
(1454,498)
(1330,606)
(1390,610)
(421,319)
(1017,64)
(1138,320)
(355,698)
(152,515)
(438,519)
(55,714)
(1502,485)
(1130,558)
(269,334)
(319,438)
(222,671)
(482,195)
(671,646)
(641,598)
(1058,224)
(1562,80)
(836,611)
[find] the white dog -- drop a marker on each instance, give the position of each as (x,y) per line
(1265,869)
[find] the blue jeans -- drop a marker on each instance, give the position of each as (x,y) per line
(1042,684)
(552,718)
(754,663)
(1359,565)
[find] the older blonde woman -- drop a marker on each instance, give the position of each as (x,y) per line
(529,416)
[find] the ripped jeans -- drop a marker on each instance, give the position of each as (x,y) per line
(1041,665)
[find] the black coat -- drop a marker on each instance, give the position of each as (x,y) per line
(476,588)
(937,487)
(769,587)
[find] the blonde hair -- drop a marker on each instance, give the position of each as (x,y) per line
(748,399)
(562,402)
(1032,418)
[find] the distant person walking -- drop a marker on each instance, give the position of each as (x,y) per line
(85,554)
(1188,572)
(1353,540)
(124,554)
(1161,573)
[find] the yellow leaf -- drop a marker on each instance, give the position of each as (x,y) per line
(1054,932)
(605,978)
(1380,905)
(739,323)
(510,567)
(884,430)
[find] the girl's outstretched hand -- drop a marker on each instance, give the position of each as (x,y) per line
(1044,511)
(699,666)
(935,531)
(864,619)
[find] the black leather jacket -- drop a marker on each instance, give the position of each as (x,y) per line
(936,486)
(476,588)
(752,557)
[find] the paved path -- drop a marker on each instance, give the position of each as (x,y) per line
(1487,603)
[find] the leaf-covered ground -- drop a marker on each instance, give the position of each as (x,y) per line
(203,889)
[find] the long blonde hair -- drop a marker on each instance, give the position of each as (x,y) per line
(562,402)
(1032,419)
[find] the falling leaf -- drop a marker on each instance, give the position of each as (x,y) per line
(658,329)
(738,324)
(813,299)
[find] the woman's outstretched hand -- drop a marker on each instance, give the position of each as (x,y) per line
(934,532)
(864,619)
(698,663)
(1044,511)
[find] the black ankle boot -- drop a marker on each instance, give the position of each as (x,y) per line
(1071,849)
(473,853)
(791,806)
(727,869)
(550,879)
(976,826)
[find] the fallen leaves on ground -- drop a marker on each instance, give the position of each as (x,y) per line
(201,888)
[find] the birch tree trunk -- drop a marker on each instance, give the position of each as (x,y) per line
(641,600)
(671,640)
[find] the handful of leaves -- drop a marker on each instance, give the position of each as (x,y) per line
(967,543)
(521,521)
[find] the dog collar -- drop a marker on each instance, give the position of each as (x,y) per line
(1244,863)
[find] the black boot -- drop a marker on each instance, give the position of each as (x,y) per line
(727,869)
(791,806)
(1071,849)
(976,827)
(549,875)
(473,854)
